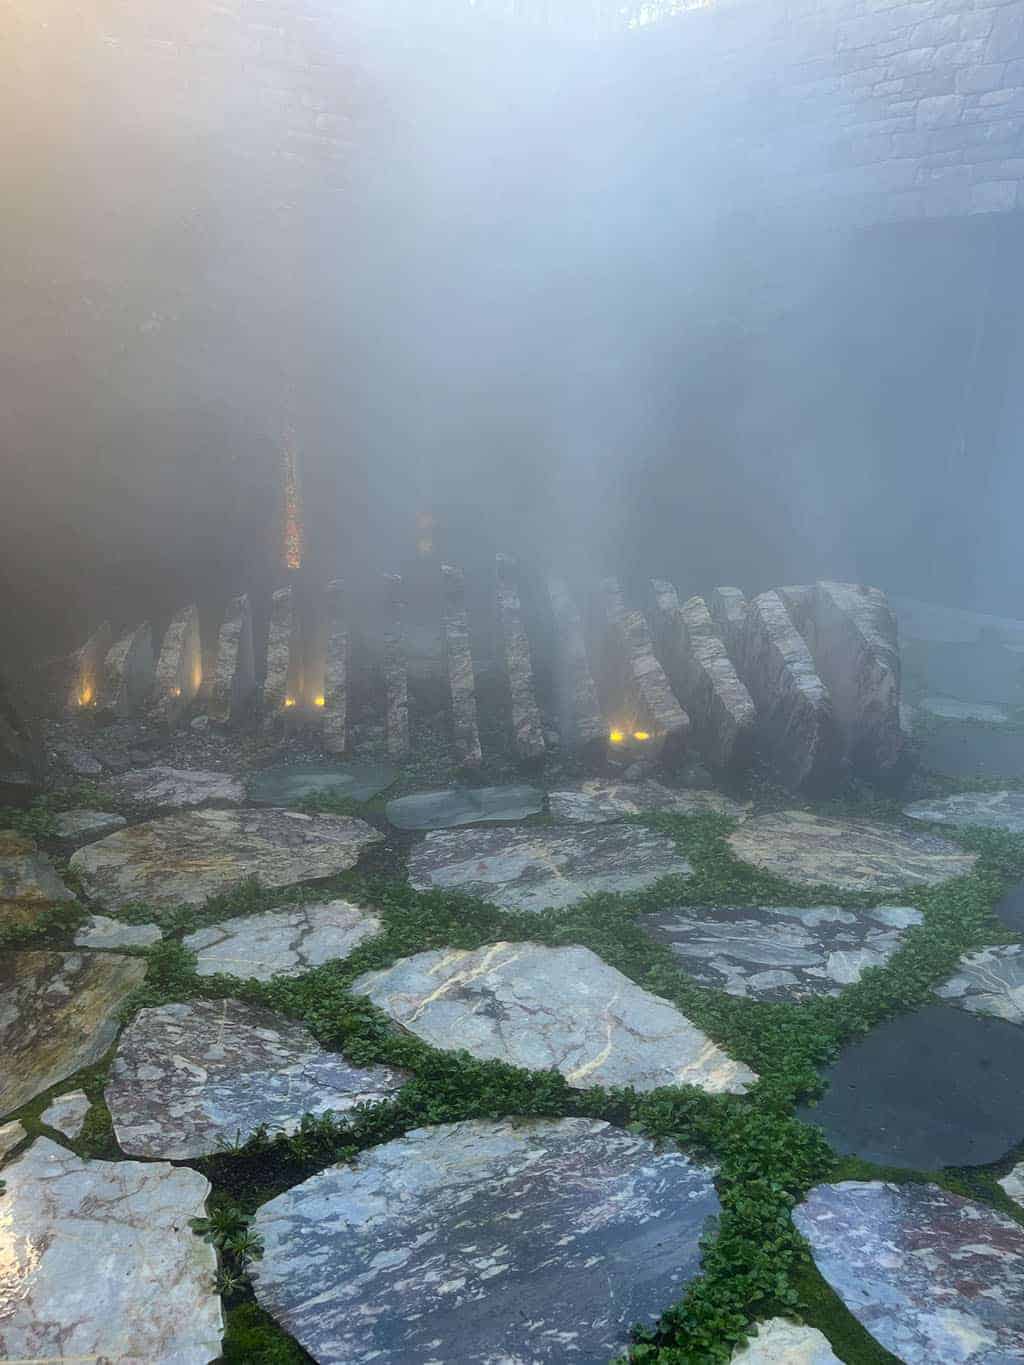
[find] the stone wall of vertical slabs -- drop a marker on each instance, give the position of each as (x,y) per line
(805,678)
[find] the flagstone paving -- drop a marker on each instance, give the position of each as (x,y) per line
(992,810)
(188,1079)
(595,803)
(780,1342)
(989,982)
(81,826)
(186,858)
(67,1113)
(103,932)
(286,784)
(854,855)
(936,1088)
(29,884)
(464,806)
(1010,910)
(178,788)
(947,708)
(777,953)
(972,750)
(1013,1183)
(58,1013)
(10,1135)
(932,1276)
(282,942)
(100,1263)
(540,1007)
(483,1242)
(537,869)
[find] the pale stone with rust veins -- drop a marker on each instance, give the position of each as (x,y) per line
(579,713)
(598,802)
(10,1135)
(188,857)
(179,669)
(527,731)
(539,1007)
(234,672)
(29,884)
(780,1342)
(282,942)
(67,1113)
(102,1264)
(178,788)
(129,670)
(459,668)
(103,932)
(191,1078)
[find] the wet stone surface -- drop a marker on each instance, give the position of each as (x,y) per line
(534,869)
(67,1113)
(103,932)
(936,1088)
(932,1276)
(779,1342)
(854,855)
(58,1013)
(464,806)
(540,1007)
(282,942)
(597,802)
(973,751)
(80,826)
(991,810)
(290,783)
(101,1263)
(29,884)
(948,708)
(777,953)
(188,1079)
(483,1242)
(989,982)
(1010,909)
(178,788)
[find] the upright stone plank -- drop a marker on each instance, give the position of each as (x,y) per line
(396,673)
(86,672)
(336,669)
(129,671)
(234,675)
(514,654)
(459,666)
(179,670)
(728,609)
(632,671)
(703,676)
(795,716)
(579,714)
(282,683)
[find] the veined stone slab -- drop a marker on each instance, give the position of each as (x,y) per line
(527,731)
(703,677)
(101,1263)
(283,680)
(537,869)
(948,708)
(179,788)
(336,669)
(80,826)
(179,669)
(780,1342)
(931,1275)
(189,1078)
(234,673)
(283,942)
(629,674)
(1013,1183)
(780,953)
(795,714)
(459,668)
(855,855)
(464,806)
(597,802)
(579,714)
(128,671)
(396,675)
(58,1013)
(28,881)
(540,1007)
(485,1242)
(186,858)
(10,1135)
(728,609)
(67,1113)
(989,982)
(103,932)
(85,679)
(285,784)
(991,810)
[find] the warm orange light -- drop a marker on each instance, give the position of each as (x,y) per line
(289,701)
(175,691)
(616,736)
(85,696)
(641,735)
(320,701)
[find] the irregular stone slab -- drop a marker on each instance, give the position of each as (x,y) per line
(939,1087)
(703,677)
(336,670)
(179,669)
(931,1275)
(991,810)
(128,671)
(396,674)
(85,674)
(541,1007)
(579,714)
(947,708)
(10,1135)
(286,784)
(796,720)
(989,982)
(985,670)
(1011,909)
(855,855)
(597,802)
(234,672)
(780,1342)
(458,658)
(484,1242)
(74,1220)
(80,826)
(728,610)
(537,869)
(80,761)
(178,788)
(58,1013)
(514,656)
(283,942)
(780,953)
(1013,1183)
(67,1113)
(953,625)
(103,932)
(283,678)
(973,751)
(189,1078)
(184,859)
(29,884)
(464,806)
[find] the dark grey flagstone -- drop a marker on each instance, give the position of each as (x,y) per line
(464,806)
(989,982)
(288,783)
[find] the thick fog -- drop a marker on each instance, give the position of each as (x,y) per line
(527,280)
